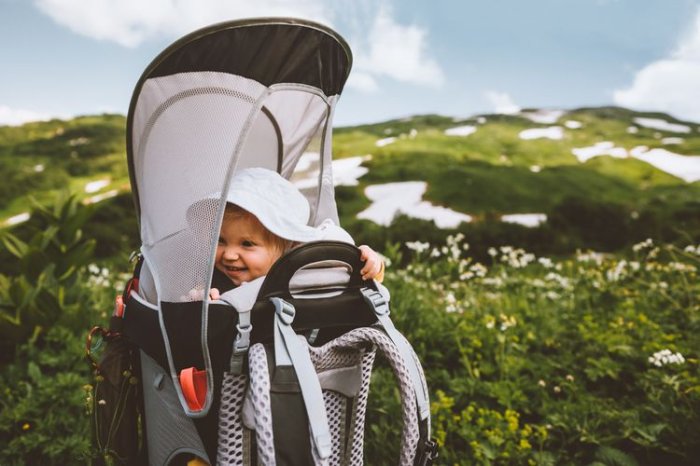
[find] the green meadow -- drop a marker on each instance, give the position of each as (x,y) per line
(572,342)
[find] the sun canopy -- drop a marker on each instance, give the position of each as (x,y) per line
(234,95)
(230,96)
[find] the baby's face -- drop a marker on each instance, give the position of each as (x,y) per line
(243,252)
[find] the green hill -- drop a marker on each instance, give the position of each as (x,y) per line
(489,173)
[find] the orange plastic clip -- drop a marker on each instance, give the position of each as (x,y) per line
(194,387)
(118,306)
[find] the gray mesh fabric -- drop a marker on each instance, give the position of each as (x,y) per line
(357,424)
(259,391)
(190,126)
(359,339)
(230,444)
(345,415)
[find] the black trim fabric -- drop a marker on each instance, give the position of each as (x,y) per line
(268,50)
(267,53)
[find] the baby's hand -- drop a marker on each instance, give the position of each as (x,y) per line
(197,294)
(374,265)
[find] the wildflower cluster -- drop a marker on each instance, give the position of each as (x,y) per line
(514,257)
(505,322)
(666,356)
(690,249)
(99,277)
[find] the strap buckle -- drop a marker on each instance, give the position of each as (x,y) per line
(376,301)
(428,454)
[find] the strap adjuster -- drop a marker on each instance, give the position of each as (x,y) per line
(376,301)
(284,310)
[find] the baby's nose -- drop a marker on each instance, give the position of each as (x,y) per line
(231,253)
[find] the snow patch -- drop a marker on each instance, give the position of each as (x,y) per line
(407,198)
(573,124)
(552,132)
(346,172)
(600,148)
(460,130)
(385,142)
(528,220)
(685,167)
(663,125)
(672,141)
(544,117)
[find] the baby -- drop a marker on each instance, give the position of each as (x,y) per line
(265,217)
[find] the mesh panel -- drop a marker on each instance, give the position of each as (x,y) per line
(336,409)
(230,444)
(357,425)
(410,434)
(345,417)
(189,134)
(259,390)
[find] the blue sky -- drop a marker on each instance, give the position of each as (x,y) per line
(458,58)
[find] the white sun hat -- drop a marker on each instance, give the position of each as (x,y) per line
(276,202)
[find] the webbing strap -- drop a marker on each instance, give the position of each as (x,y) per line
(242,341)
(381,308)
(290,351)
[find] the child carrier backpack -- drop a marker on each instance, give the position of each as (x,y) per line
(275,371)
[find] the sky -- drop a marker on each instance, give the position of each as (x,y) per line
(62,58)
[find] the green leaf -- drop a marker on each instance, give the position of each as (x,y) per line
(14,245)
(610,456)
(34,372)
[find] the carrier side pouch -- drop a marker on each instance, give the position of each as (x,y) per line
(117,400)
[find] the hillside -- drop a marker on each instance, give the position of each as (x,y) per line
(532,168)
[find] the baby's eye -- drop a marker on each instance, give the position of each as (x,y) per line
(248,243)
(221,241)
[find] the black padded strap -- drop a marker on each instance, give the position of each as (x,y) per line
(276,282)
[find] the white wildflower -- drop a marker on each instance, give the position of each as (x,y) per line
(681,267)
(618,272)
(490,322)
(545,262)
(665,356)
(589,256)
(479,270)
(647,243)
(692,249)
(417,246)
(507,322)
(496,282)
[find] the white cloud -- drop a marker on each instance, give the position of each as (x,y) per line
(362,81)
(671,84)
(17,116)
(130,22)
(501,102)
(397,51)
(382,47)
